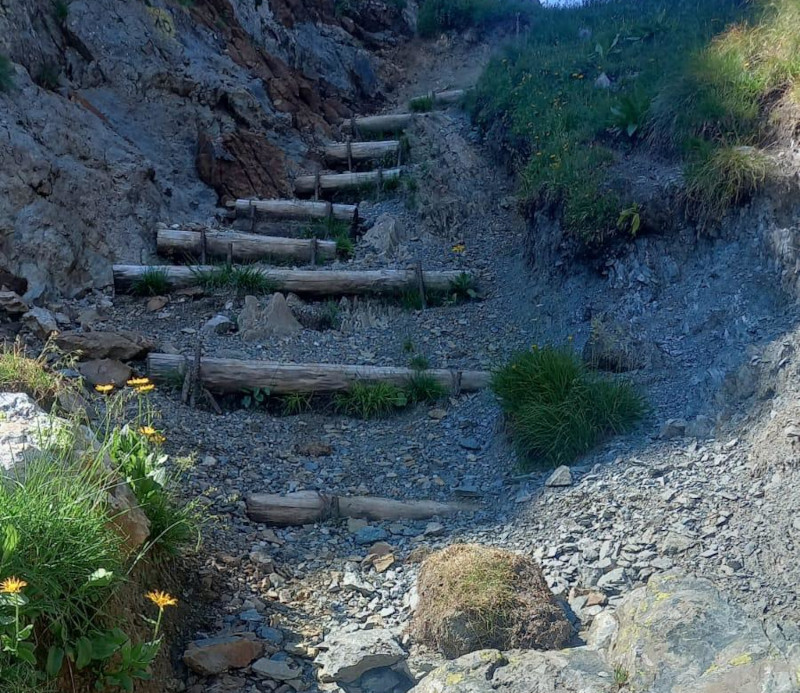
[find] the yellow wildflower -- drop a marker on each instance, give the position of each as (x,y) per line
(12,585)
(158,439)
(144,389)
(147,431)
(459,248)
(104,389)
(161,599)
(138,382)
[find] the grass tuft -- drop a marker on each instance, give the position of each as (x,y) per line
(241,278)
(421,104)
(297,403)
(370,400)
(6,74)
(22,373)
(154,282)
(423,387)
(557,410)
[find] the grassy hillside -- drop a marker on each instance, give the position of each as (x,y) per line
(694,82)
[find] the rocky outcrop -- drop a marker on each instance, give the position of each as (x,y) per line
(122,114)
(676,635)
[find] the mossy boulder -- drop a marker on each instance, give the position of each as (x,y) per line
(474,597)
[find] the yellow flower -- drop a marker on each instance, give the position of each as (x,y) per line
(104,389)
(161,599)
(459,248)
(147,431)
(12,585)
(144,389)
(138,382)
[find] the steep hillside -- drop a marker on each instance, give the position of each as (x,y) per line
(115,116)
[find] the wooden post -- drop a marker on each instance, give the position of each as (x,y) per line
(203,250)
(421,285)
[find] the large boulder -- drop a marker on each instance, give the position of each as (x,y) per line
(124,345)
(474,597)
(680,635)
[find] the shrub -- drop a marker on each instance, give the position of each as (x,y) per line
(370,400)
(557,410)
(154,282)
(473,597)
(6,73)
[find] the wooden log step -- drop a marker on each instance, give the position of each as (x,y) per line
(307,507)
(305,282)
(439,98)
(395,122)
(242,247)
(233,375)
(298,209)
(360,151)
(330,182)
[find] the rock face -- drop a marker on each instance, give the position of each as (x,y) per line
(676,635)
(123,115)
(473,597)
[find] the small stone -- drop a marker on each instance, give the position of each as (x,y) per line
(469,443)
(673,428)
(217,655)
(276,669)
(273,636)
(369,535)
(12,303)
(105,372)
(41,322)
(437,414)
(219,324)
(354,524)
(251,615)
(345,657)
(433,529)
(353,582)
(562,476)
(602,82)
(156,303)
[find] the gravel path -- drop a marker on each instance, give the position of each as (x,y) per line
(699,312)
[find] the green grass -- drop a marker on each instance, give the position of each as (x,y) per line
(241,278)
(61,10)
(370,400)
(297,403)
(422,387)
(436,16)
(33,376)
(677,76)
(557,410)
(6,74)
(154,282)
(332,229)
(421,104)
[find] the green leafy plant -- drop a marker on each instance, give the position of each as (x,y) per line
(61,10)
(330,317)
(6,74)
(419,362)
(557,410)
(153,282)
(629,115)
(297,403)
(255,397)
(370,400)
(630,219)
(621,676)
(345,248)
(421,104)
(463,288)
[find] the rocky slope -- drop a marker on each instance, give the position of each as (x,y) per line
(124,114)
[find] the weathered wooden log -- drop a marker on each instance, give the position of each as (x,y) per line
(360,151)
(233,375)
(440,98)
(298,209)
(242,246)
(307,282)
(307,507)
(395,122)
(328,182)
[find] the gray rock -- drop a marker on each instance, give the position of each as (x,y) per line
(277,669)
(675,543)
(274,636)
(369,535)
(562,476)
(673,428)
(353,582)
(124,345)
(602,82)
(384,680)
(104,372)
(680,635)
(345,657)
(612,347)
(217,655)
(257,324)
(385,235)
(40,321)
(219,324)
(12,303)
